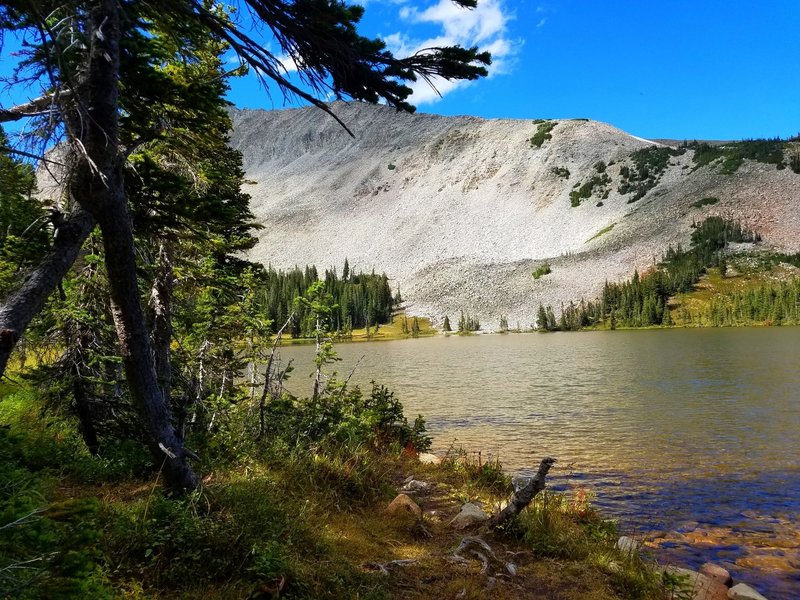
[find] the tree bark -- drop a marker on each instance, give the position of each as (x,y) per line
(98,184)
(23,304)
(523,497)
(161,304)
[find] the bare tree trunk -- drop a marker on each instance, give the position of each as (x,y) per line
(523,497)
(23,304)
(161,303)
(99,186)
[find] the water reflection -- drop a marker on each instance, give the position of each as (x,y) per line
(672,428)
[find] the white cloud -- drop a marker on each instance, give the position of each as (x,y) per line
(484,26)
(541,23)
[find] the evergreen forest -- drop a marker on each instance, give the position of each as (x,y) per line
(644,300)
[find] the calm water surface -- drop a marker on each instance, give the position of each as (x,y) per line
(690,437)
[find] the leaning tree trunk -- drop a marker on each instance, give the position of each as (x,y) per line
(522,497)
(23,304)
(98,185)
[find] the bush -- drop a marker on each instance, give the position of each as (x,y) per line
(645,172)
(541,270)
(542,134)
(344,418)
(586,190)
(732,155)
(558,526)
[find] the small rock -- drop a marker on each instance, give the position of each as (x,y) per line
(426,458)
(416,486)
(512,569)
(627,544)
(404,504)
(717,573)
(470,514)
(742,591)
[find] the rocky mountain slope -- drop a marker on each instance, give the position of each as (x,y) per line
(460,210)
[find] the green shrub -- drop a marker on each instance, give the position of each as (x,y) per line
(731,155)
(648,164)
(561,172)
(587,189)
(542,133)
(541,270)
(561,527)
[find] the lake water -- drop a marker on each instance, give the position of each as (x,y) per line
(691,438)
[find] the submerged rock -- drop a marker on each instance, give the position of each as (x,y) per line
(717,573)
(742,591)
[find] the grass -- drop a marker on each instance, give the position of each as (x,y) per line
(565,527)
(394,330)
(603,231)
(277,523)
(386,332)
(541,271)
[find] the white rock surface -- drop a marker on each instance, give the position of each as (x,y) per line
(459,210)
(471,514)
(627,544)
(429,459)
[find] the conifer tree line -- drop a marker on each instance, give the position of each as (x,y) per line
(644,299)
(360,299)
(467,323)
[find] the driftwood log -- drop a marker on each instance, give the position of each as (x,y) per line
(523,497)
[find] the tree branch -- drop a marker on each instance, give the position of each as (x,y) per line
(37,107)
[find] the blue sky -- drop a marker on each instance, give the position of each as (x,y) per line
(708,69)
(685,70)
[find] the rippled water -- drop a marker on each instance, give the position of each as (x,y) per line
(690,437)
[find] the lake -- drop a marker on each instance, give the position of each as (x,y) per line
(690,437)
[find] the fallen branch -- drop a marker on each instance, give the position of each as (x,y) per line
(481,551)
(384,568)
(523,497)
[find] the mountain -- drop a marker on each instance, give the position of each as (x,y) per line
(460,211)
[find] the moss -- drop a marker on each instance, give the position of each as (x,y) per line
(603,231)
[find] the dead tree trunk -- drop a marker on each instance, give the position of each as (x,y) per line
(522,497)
